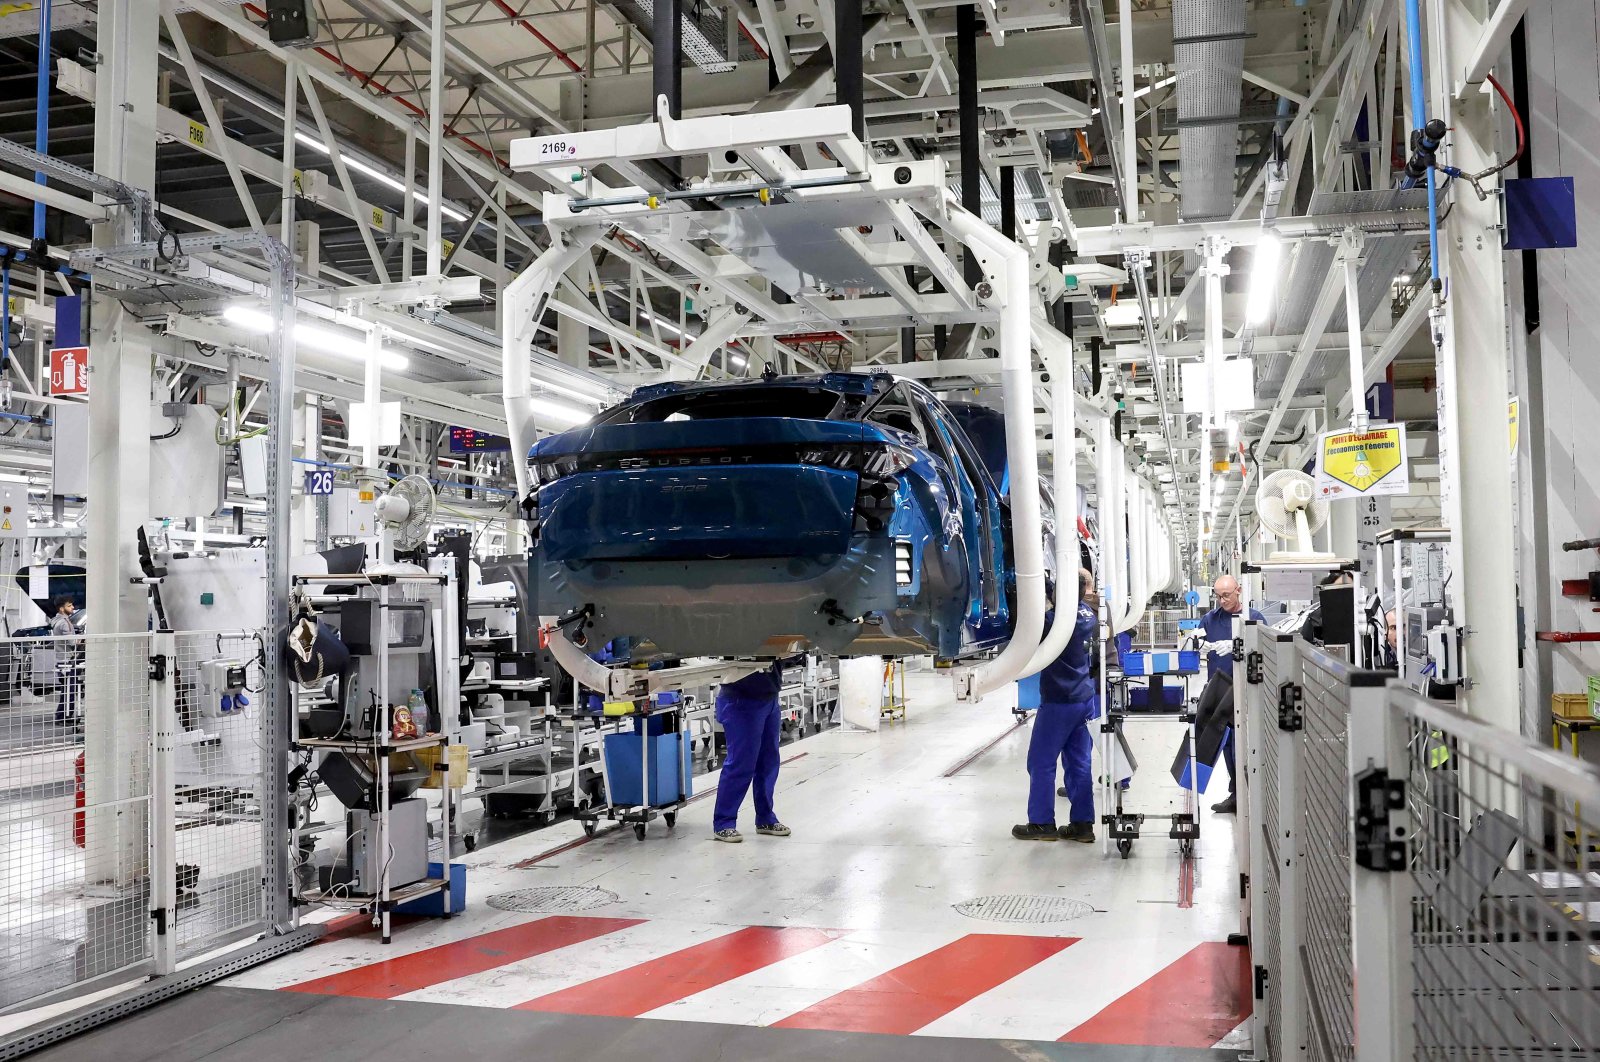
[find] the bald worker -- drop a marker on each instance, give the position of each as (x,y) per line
(1218,694)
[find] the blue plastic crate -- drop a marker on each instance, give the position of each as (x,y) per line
(1028,692)
(1179,663)
(433,903)
(670,766)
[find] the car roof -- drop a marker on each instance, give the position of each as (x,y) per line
(857,383)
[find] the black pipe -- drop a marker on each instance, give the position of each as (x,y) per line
(849,84)
(908,344)
(1523,99)
(1094,364)
(666,56)
(1008,202)
(970,127)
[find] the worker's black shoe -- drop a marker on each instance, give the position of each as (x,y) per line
(1035,831)
(1061,791)
(1227,807)
(1082,832)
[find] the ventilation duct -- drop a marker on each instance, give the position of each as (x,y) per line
(1208,53)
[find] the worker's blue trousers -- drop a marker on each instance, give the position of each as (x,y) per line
(752,730)
(1061,731)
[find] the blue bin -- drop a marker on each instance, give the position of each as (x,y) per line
(1028,692)
(433,903)
(670,767)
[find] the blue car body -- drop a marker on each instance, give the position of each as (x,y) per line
(847,513)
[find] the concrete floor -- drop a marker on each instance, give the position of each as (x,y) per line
(848,928)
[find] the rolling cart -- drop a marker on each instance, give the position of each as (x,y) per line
(1123,827)
(648,769)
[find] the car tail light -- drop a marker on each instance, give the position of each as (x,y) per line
(883,460)
(902,562)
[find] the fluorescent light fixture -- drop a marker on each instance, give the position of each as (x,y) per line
(559,412)
(354,163)
(661,323)
(340,344)
(1264,278)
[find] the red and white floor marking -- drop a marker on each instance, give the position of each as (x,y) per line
(988,985)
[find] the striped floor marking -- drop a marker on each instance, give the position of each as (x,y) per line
(1194,1002)
(658,982)
(462,958)
(925,989)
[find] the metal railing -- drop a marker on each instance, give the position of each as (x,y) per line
(1433,882)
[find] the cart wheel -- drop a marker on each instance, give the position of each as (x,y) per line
(638,830)
(1124,846)
(670,818)
(548,817)
(471,841)
(589,828)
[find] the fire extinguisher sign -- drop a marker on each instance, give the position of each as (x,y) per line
(69,371)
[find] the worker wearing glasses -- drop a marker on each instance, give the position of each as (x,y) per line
(1218,693)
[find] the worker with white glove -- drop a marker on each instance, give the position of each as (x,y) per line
(1218,693)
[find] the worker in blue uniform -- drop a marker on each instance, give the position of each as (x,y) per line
(1218,693)
(1061,731)
(752,727)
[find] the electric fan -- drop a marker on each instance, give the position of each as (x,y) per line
(404,516)
(1288,506)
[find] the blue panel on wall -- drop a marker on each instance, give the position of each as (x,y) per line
(1541,212)
(69,321)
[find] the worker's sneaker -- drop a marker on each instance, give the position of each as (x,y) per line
(731,836)
(1226,807)
(1061,791)
(1035,831)
(1082,832)
(774,829)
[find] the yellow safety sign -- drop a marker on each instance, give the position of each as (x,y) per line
(1356,464)
(197,134)
(1514,417)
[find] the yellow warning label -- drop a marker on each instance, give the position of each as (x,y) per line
(6,524)
(366,495)
(378,218)
(449,247)
(1355,463)
(197,133)
(1513,417)
(299,182)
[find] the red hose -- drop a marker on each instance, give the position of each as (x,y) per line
(1522,134)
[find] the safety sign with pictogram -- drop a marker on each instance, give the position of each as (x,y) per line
(1362,464)
(69,371)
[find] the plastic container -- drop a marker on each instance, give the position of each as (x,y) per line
(670,765)
(419,711)
(433,903)
(1570,706)
(1594,697)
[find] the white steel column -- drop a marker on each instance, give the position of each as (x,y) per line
(119,435)
(1476,473)
(1130,121)
(436,143)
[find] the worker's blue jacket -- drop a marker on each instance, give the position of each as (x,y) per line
(1218,625)
(757,689)
(1069,678)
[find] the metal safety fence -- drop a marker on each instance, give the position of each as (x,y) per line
(133,782)
(1421,885)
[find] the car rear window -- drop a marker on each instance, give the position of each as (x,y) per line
(808,403)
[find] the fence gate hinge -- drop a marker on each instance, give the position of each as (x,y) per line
(1261,982)
(1383,828)
(1291,716)
(158,667)
(1252,668)
(160,916)
(1238,648)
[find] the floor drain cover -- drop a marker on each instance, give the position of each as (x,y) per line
(1015,908)
(552,899)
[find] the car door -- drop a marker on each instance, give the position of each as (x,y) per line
(981,516)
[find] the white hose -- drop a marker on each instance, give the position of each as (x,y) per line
(523,301)
(1007,264)
(1113,542)
(1057,352)
(1138,553)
